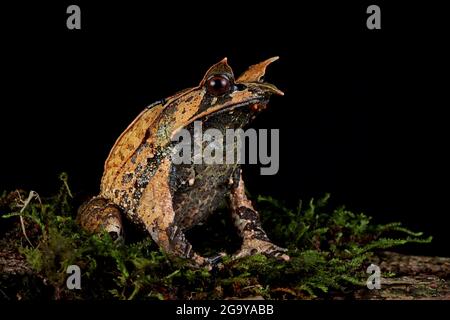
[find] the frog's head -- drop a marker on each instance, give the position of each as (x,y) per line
(220,92)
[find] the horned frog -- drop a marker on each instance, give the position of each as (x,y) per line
(141,181)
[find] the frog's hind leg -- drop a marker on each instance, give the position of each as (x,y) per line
(100,214)
(248,223)
(158,216)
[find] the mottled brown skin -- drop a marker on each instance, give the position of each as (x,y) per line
(141,181)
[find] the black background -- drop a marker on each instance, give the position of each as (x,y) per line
(363,117)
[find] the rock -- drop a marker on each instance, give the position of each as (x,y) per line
(416,278)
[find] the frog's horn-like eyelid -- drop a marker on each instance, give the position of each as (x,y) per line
(255,73)
(221,67)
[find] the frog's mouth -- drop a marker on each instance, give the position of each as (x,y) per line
(261,93)
(254,105)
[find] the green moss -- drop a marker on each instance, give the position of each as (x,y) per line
(329,251)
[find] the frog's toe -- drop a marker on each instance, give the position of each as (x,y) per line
(262,247)
(281,255)
(214,261)
(243,253)
(276,252)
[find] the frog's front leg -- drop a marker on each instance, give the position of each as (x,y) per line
(155,211)
(248,223)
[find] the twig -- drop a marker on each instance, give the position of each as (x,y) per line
(4,294)
(64,178)
(24,205)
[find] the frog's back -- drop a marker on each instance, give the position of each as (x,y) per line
(126,146)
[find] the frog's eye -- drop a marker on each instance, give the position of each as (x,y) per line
(218,85)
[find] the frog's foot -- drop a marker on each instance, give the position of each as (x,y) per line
(258,246)
(100,214)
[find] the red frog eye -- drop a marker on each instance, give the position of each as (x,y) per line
(218,85)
